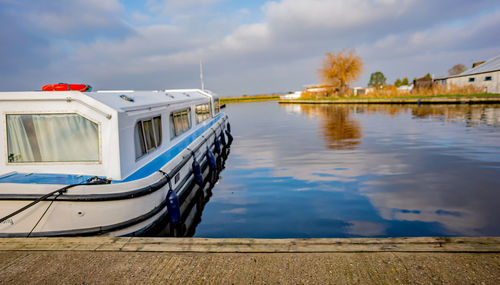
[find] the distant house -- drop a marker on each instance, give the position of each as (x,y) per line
(362,90)
(319,90)
(485,75)
(424,82)
(359,91)
(440,80)
(294,95)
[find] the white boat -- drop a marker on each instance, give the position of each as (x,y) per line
(113,163)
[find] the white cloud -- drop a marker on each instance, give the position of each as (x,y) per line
(170,7)
(278,52)
(141,17)
(248,38)
(432,50)
(328,14)
(71,19)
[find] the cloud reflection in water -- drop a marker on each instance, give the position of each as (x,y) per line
(352,170)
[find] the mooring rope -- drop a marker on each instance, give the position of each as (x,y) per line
(41,217)
(92,181)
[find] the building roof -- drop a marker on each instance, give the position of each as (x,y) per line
(492,64)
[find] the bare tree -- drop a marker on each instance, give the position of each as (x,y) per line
(340,68)
(457,69)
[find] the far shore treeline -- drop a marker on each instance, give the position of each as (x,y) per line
(340,69)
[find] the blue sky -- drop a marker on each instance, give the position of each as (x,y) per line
(247,47)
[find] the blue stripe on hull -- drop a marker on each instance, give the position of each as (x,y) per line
(145,171)
(165,157)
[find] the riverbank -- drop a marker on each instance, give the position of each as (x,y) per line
(250,261)
(250,98)
(400,100)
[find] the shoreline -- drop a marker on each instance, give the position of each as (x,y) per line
(430,100)
(250,98)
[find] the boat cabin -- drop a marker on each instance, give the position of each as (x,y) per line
(63,137)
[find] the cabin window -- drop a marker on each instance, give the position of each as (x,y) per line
(51,138)
(216,105)
(180,122)
(202,112)
(487,78)
(147,136)
(471,79)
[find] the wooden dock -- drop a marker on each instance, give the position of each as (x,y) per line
(430,100)
(134,260)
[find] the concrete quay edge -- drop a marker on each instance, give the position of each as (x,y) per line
(249,245)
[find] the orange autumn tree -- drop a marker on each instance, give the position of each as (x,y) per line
(339,69)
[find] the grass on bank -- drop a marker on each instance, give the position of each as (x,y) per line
(410,96)
(391,92)
(249,98)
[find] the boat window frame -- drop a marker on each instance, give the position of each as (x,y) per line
(204,116)
(171,122)
(99,139)
(143,133)
(216,106)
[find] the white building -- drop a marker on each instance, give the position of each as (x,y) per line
(294,95)
(486,75)
(406,88)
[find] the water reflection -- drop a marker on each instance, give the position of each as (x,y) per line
(471,114)
(340,130)
(358,170)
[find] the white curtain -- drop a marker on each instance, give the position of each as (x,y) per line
(19,149)
(56,137)
(157,126)
(172,127)
(140,148)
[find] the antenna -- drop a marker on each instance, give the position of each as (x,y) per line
(201,76)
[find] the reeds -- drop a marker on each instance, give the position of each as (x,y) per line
(436,90)
(394,92)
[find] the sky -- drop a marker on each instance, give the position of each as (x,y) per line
(247,46)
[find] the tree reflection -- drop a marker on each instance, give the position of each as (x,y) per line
(387,109)
(471,114)
(468,113)
(340,130)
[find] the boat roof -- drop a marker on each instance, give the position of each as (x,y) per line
(131,100)
(122,100)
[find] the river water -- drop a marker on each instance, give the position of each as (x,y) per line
(301,171)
